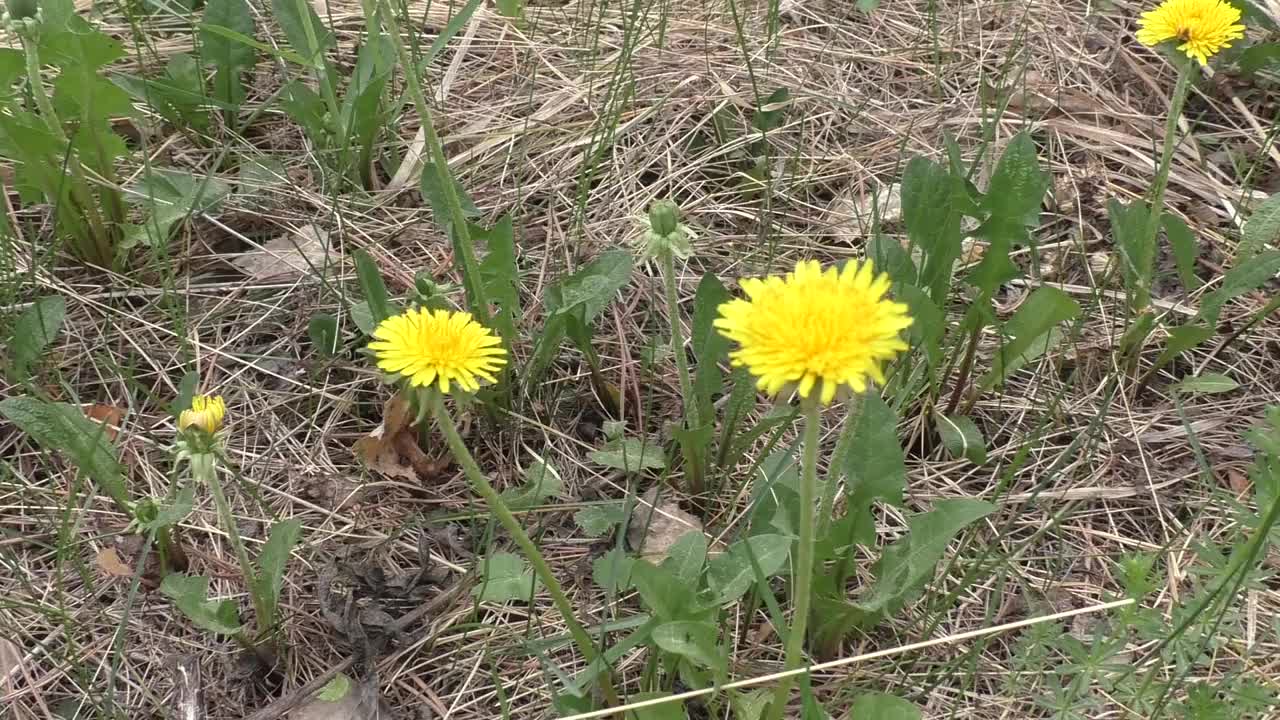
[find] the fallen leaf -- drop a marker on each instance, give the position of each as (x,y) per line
(652,530)
(406,445)
(1036,94)
(304,251)
(107,415)
(851,216)
(122,558)
(1238,481)
(630,455)
(504,577)
(971,251)
(1234,452)
(334,493)
(110,563)
(358,701)
(382,457)
(336,689)
(392,448)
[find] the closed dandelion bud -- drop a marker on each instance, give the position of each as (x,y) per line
(146,511)
(665,236)
(425,286)
(664,217)
(22,9)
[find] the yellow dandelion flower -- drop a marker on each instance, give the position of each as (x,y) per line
(439,347)
(815,327)
(1204,27)
(206,413)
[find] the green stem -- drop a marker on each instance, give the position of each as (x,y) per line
(966,368)
(43,104)
(1142,293)
(677,336)
(802,580)
(525,543)
(691,416)
(164,545)
(204,470)
(843,445)
(457,224)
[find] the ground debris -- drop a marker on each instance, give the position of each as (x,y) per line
(345,699)
(655,527)
(301,252)
(392,448)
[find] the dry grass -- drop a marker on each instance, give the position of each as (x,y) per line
(528,114)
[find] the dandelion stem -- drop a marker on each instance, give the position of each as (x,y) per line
(36,85)
(1142,291)
(164,546)
(691,416)
(802,577)
(525,543)
(966,368)
(203,470)
(677,331)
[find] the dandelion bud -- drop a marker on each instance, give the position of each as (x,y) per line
(22,9)
(665,236)
(664,217)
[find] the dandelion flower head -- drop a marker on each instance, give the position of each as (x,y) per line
(1204,27)
(206,413)
(815,328)
(439,347)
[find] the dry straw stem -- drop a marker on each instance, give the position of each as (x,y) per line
(843,662)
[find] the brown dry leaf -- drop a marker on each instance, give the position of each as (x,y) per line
(406,445)
(334,493)
(1238,481)
(111,564)
(392,448)
(971,251)
(122,558)
(382,457)
(109,416)
(653,530)
(301,252)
